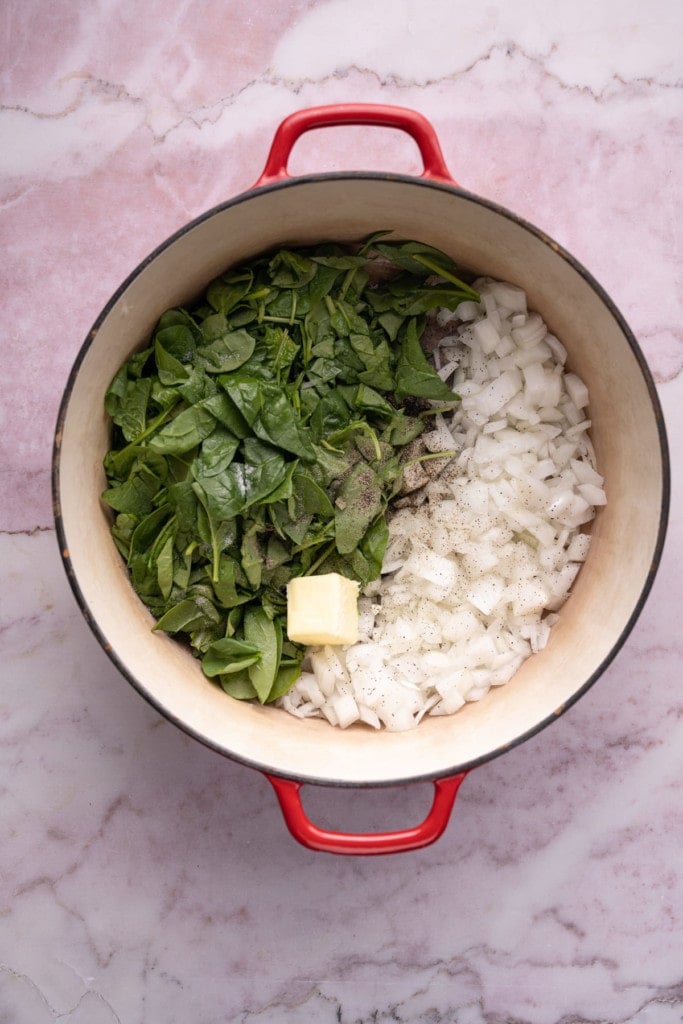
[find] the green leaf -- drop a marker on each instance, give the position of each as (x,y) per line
(227,656)
(323,371)
(216,454)
(165,568)
(148,528)
(228,290)
(404,429)
(369,400)
(291,269)
(197,386)
(424,260)
(227,413)
(252,556)
(116,392)
(392,323)
(171,370)
(279,425)
(414,374)
(374,545)
(135,494)
(177,340)
(285,489)
(277,553)
(432,297)
(122,531)
(218,532)
(225,349)
(132,417)
(183,501)
(288,673)
(184,431)
(243,484)
(189,614)
(246,395)
(331,414)
(310,498)
(238,686)
(262,632)
(281,348)
(165,398)
(328,465)
(138,361)
(119,465)
(359,501)
(183,569)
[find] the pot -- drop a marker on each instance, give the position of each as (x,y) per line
(627,432)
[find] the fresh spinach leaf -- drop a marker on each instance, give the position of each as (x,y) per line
(243,484)
(171,370)
(188,615)
(238,686)
(291,269)
(132,417)
(414,374)
(224,349)
(358,502)
(134,495)
(227,291)
(288,673)
(227,656)
(185,431)
(266,636)
(279,425)
(217,452)
(226,412)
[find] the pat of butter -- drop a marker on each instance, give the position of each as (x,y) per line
(322,610)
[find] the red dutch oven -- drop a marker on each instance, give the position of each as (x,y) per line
(627,432)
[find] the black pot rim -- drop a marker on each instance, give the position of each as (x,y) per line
(556,248)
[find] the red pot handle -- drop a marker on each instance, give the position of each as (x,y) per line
(316,838)
(381,115)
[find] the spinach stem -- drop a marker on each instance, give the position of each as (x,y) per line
(350,274)
(319,561)
(311,544)
(330,447)
(373,437)
(449,454)
(150,428)
(356,425)
(438,408)
(436,269)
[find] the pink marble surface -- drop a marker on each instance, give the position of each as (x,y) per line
(142,878)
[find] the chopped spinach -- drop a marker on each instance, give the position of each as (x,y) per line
(261,436)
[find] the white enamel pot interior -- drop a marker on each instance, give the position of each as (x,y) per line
(627,432)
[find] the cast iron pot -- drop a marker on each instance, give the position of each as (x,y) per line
(627,431)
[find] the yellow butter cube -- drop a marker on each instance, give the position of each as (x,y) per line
(322,610)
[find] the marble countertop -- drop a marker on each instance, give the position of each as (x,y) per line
(143,878)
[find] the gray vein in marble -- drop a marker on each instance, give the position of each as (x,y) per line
(58,1015)
(315,1002)
(29,532)
(512,51)
(112,91)
(117,92)
(51,882)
